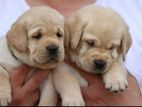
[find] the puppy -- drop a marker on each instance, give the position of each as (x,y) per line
(97,40)
(36,39)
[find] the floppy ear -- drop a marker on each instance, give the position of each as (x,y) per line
(17,37)
(125,43)
(67,36)
(75,29)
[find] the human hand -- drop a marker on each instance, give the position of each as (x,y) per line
(97,95)
(26,92)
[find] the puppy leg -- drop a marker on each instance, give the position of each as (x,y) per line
(48,93)
(68,87)
(80,79)
(5,89)
(116,78)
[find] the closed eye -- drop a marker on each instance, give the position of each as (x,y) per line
(90,43)
(37,36)
(59,35)
(113,47)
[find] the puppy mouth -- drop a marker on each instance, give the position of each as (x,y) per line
(52,60)
(49,61)
(99,71)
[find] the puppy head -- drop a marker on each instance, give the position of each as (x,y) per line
(98,36)
(37,37)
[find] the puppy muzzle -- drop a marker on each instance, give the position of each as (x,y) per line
(53,53)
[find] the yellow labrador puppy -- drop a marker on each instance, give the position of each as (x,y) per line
(36,39)
(98,39)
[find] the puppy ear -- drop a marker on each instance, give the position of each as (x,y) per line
(17,37)
(125,43)
(75,29)
(67,36)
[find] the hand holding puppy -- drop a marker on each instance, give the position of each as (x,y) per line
(96,94)
(26,92)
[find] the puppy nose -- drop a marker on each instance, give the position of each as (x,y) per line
(52,49)
(100,64)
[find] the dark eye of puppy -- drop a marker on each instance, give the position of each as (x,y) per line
(59,35)
(111,48)
(38,36)
(90,43)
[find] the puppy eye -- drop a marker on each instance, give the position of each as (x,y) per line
(90,43)
(111,47)
(59,35)
(38,36)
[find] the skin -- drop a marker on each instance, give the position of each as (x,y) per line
(26,92)
(96,94)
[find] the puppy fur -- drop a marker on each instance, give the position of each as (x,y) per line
(97,40)
(37,39)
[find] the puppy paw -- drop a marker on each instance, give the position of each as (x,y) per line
(5,97)
(116,84)
(81,80)
(73,102)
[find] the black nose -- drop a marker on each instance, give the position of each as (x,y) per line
(100,64)
(52,49)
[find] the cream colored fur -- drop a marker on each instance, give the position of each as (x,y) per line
(96,33)
(29,40)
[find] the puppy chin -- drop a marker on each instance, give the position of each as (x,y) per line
(95,71)
(44,63)
(99,71)
(47,66)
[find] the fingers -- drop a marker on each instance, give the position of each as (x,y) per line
(19,75)
(35,98)
(35,81)
(25,89)
(32,100)
(29,99)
